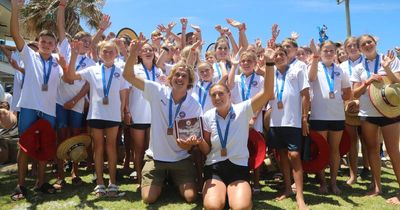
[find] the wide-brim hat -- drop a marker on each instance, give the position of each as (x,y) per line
(74,148)
(39,141)
(257,149)
(385,97)
(352,117)
(319,153)
(344,146)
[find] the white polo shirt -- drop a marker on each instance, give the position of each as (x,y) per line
(238,135)
(256,86)
(201,91)
(97,110)
(68,91)
(32,96)
(349,65)
(18,80)
(367,109)
(290,115)
(323,107)
(138,105)
(163,147)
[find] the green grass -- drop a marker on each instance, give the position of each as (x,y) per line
(72,197)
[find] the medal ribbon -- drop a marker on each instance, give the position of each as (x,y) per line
(242,77)
(46,74)
(106,89)
(330,80)
(376,66)
(279,92)
(224,139)
(203,97)
(171,121)
(153,69)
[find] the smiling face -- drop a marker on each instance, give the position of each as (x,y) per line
(181,77)
(206,71)
(367,46)
(147,53)
(46,45)
(108,52)
(328,52)
(290,47)
(341,55)
(220,97)
(221,50)
(280,58)
(351,48)
(248,61)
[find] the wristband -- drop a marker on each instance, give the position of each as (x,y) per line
(165,48)
(270,63)
(61,5)
(192,49)
(315,56)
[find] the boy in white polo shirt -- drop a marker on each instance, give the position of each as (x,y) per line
(42,76)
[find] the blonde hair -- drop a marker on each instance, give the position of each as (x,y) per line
(188,68)
(105,43)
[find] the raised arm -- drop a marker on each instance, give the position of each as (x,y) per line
(313,69)
(61,20)
(235,48)
(129,72)
(261,98)
(16,6)
(235,65)
(104,24)
(184,22)
(387,62)
(243,42)
(71,74)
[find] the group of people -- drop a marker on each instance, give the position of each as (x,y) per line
(281,90)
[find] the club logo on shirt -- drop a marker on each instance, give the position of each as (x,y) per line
(337,74)
(182,114)
(55,65)
(233,116)
(254,83)
(163,102)
(83,65)
(158,74)
(116,74)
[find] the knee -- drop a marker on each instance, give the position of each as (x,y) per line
(190,196)
(149,198)
(213,205)
(244,205)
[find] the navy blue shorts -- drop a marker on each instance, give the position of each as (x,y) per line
(380,121)
(102,124)
(68,118)
(285,138)
(226,171)
(140,126)
(327,125)
(29,116)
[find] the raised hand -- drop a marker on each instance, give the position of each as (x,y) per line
(269,55)
(136,45)
(313,48)
(105,22)
(227,31)
(184,22)
(219,29)
(275,31)
(161,28)
(76,46)
(196,28)
(294,35)
(18,4)
(258,42)
(235,59)
(234,23)
(388,59)
(61,61)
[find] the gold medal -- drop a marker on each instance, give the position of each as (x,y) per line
(224,152)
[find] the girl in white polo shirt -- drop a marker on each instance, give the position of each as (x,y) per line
(140,108)
(225,144)
(330,87)
(108,91)
(166,154)
(371,69)
(355,57)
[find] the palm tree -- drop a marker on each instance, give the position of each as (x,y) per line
(38,15)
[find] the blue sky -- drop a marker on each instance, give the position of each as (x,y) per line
(376,17)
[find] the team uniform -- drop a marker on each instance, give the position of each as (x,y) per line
(200,93)
(38,99)
(244,89)
(18,82)
(361,73)
(285,122)
(163,153)
(327,112)
(102,115)
(233,165)
(71,118)
(138,105)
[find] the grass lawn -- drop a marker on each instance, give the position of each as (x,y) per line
(71,197)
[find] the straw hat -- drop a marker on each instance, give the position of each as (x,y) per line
(385,97)
(74,148)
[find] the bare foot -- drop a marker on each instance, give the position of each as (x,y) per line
(351,181)
(302,205)
(323,189)
(336,190)
(373,193)
(394,200)
(284,195)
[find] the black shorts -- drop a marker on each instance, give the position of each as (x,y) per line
(227,172)
(140,126)
(285,138)
(327,125)
(102,124)
(380,121)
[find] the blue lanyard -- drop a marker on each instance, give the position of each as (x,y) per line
(279,92)
(46,74)
(218,70)
(106,89)
(331,80)
(376,66)
(203,97)
(357,62)
(80,63)
(153,69)
(171,121)
(224,139)
(292,61)
(247,96)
